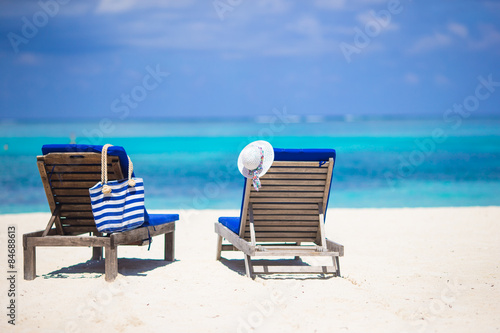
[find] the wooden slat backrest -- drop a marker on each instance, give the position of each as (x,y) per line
(286,208)
(67,178)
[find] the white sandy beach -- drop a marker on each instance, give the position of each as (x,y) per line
(404,270)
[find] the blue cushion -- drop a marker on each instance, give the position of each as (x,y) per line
(303,154)
(232,223)
(157,219)
(72,148)
(280,154)
(150,219)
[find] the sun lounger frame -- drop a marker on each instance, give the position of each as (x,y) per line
(285,218)
(66,178)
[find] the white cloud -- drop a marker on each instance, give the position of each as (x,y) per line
(343,5)
(330,4)
(272,6)
(441,80)
(490,37)
(411,78)
(342,30)
(186,35)
(458,29)
(29,8)
(370,17)
(27,58)
(114,6)
(120,6)
(429,43)
(307,25)
(493,6)
(347,5)
(304,35)
(372,2)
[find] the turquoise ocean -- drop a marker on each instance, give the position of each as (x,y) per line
(192,164)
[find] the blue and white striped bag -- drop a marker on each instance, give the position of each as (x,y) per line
(117,205)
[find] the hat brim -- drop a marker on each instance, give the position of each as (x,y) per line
(268,158)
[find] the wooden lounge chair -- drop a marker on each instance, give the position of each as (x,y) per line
(286,217)
(67,172)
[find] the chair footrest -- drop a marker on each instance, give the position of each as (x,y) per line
(139,243)
(293,251)
(292,269)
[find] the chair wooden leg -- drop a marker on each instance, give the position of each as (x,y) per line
(170,246)
(96,253)
(219,247)
(111,263)
(248,266)
(297,257)
(29,262)
(336,264)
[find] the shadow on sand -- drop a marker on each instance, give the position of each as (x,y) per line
(238,266)
(95,268)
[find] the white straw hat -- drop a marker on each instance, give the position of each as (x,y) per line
(255,160)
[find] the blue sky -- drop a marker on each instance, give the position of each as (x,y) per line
(166,58)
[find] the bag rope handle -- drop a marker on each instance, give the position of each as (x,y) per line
(104,170)
(131,182)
